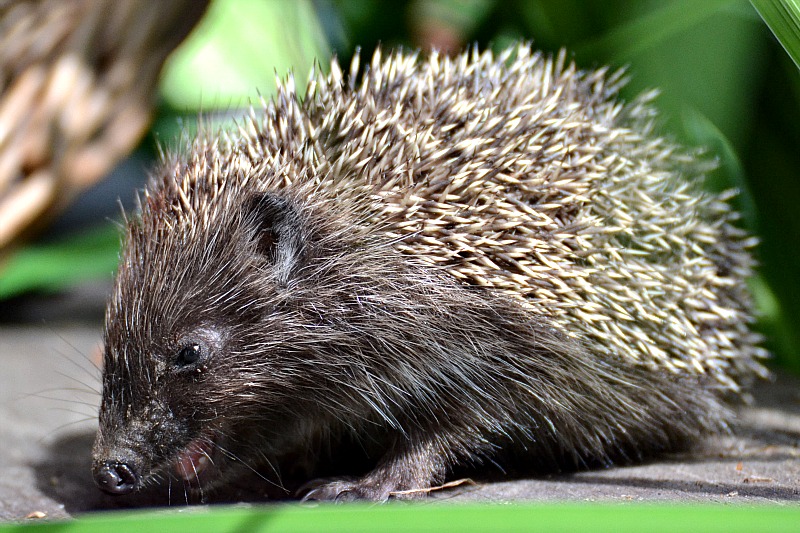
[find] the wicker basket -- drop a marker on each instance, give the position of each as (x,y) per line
(78,81)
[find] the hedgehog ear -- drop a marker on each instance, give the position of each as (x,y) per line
(278,232)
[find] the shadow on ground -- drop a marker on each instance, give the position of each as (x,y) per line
(716,470)
(65,476)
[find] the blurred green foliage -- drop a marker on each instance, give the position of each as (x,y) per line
(366,518)
(238,49)
(54,266)
(726,84)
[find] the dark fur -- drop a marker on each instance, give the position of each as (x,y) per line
(315,329)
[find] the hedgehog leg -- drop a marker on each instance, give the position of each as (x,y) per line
(405,472)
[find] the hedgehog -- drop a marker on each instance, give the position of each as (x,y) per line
(432,264)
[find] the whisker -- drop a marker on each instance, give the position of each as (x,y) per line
(77,351)
(39,394)
(276,471)
(233,456)
(89,416)
(199,483)
(64,400)
(87,386)
(62,426)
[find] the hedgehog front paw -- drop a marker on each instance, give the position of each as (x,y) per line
(349,489)
(337,490)
(407,471)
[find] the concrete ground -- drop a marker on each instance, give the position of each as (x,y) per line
(48,405)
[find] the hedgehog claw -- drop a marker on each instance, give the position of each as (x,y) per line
(339,490)
(349,489)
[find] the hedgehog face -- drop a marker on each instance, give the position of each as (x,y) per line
(155,417)
(185,359)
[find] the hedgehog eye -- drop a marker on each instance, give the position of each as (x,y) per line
(189,355)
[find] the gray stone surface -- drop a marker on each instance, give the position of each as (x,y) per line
(48,398)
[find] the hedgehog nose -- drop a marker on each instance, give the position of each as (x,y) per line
(115,477)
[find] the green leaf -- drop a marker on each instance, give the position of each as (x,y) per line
(236,51)
(50,267)
(783,18)
(650,29)
(702,132)
(434,518)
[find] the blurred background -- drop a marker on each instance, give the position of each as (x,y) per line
(93,90)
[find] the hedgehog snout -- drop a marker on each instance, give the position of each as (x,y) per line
(116,477)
